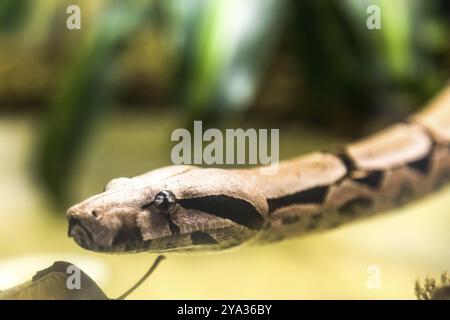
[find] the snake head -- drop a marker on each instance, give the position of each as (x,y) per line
(176,208)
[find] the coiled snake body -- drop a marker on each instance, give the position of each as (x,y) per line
(182,208)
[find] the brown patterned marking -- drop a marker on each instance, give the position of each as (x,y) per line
(277,237)
(315,195)
(316,217)
(237,210)
(312,225)
(355,206)
(347,160)
(443,179)
(373,179)
(423,165)
(266,227)
(170,245)
(335,224)
(315,221)
(290,220)
(199,238)
(405,194)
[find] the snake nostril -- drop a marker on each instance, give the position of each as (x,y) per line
(95,214)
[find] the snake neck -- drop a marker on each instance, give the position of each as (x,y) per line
(381,172)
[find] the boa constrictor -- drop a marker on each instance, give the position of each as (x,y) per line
(184,208)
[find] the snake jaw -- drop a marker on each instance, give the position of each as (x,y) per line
(79,233)
(92,229)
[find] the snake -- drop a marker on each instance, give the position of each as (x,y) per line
(185,208)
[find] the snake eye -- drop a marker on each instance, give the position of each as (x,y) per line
(165,201)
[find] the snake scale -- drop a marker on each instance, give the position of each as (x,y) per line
(186,208)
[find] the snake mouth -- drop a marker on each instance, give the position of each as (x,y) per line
(126,240)
(80,233)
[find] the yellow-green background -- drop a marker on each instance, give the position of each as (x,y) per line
(80,107)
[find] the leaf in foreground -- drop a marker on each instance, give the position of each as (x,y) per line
(52,284)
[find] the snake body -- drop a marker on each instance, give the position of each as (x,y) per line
(185,208)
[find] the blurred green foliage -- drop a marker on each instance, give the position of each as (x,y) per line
(13,13)
(80,101)
(351,71)
(232,42)
(270,60)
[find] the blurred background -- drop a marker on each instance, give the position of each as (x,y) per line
(80,107)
